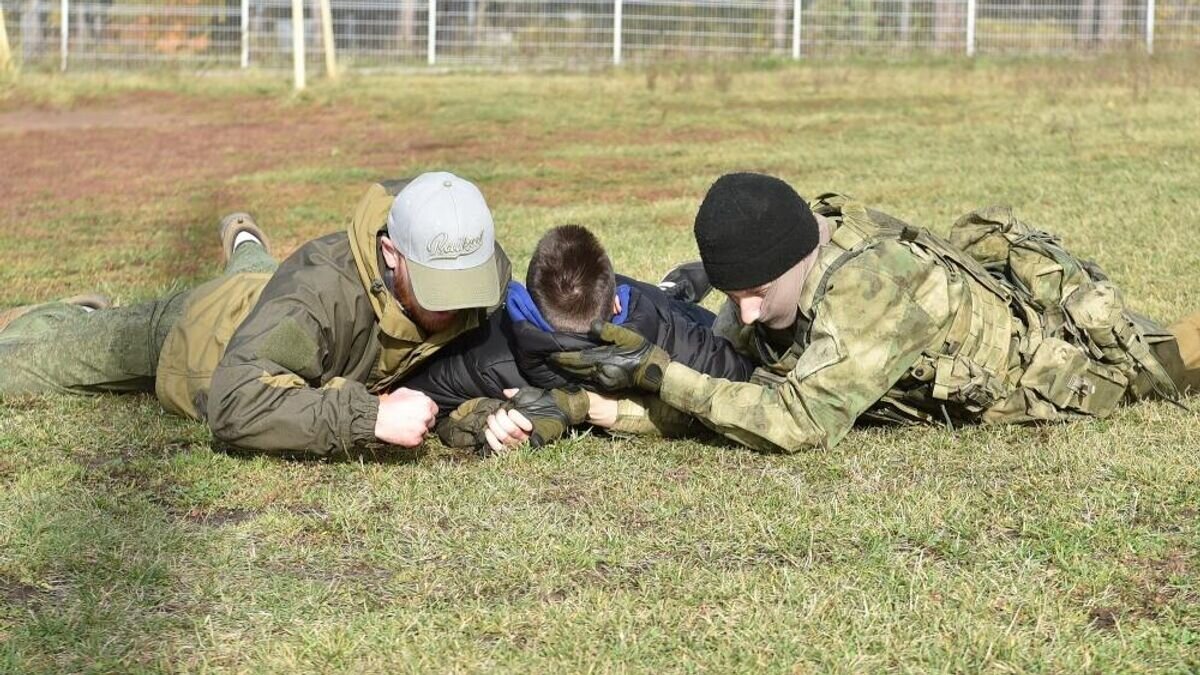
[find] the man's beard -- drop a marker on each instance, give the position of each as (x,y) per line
(426,320)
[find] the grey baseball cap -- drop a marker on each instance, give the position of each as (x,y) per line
(444,229)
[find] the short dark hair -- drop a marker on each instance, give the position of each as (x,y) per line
(571,279)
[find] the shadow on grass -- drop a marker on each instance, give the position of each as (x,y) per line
(91,572)
(115,520)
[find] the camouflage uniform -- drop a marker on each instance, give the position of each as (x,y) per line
(63,348)
(896,324)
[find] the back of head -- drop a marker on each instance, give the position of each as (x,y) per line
(571,279)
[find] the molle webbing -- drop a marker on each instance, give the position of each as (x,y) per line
(982,328)
(971,367)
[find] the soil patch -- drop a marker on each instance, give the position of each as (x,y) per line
(176,145)
(18,593)
(19,121)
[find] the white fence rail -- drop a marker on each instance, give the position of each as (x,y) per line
(85,34)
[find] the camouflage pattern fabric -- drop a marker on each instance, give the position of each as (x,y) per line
(896,324)
(61,348)
(882,310)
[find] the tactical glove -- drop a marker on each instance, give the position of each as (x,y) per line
(629,361)
(464,427)
(551,411)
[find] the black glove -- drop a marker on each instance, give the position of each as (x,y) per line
(551,411)
(630,361)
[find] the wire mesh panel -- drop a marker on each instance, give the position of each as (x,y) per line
(1041,26)
(199,32)
(675,29)
(34,31)
(572,33)
(841,27)
(104,33)
(1177,24)
(369,32)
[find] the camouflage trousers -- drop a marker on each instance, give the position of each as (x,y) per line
(62,348)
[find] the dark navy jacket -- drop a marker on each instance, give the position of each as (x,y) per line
(512,348)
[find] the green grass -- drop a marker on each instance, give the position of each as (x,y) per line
(127,543)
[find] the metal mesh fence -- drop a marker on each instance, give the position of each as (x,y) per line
(678,29)
(833,27)
(576,33)
(1060,25)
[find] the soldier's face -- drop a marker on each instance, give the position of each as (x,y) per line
(429,321)
(749,302)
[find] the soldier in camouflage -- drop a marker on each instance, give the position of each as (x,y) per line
(851,313)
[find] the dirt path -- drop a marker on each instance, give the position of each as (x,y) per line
(137,148)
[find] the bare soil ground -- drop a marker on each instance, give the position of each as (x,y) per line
(137,148)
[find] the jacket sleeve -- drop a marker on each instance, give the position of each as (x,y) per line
(478,364)
(882,310)
(452,379)
(445,381)
(278,386)
(699,348)
(646,415)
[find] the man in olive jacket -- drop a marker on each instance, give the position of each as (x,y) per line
(299,358)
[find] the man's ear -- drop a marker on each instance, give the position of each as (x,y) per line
(391,257)
(616,304)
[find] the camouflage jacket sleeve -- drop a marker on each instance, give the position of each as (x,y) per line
(881,310)
(280,384)
(646,415)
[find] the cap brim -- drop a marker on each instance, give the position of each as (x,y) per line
(444,290)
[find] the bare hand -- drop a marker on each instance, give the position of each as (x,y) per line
(507,428)
(602,410)
(405,416)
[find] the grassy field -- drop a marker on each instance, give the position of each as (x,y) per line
(128,544)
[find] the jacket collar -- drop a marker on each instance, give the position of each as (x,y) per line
(521,307)
(532,344)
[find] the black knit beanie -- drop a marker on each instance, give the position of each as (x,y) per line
(751,229)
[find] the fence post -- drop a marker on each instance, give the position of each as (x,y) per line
(432,34)
(1150,9)
(797,6)
(245,33)
(971,27)
(64,25)
(5,50)
(618,28)
(327,40)
(298,77)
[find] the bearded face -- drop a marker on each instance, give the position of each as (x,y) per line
(428,321)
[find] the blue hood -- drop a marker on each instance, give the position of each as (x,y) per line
(521,307)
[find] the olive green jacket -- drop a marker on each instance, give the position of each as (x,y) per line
(308,350)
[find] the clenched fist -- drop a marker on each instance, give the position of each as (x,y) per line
(405,416)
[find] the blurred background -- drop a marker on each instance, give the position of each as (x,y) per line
(368,34)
